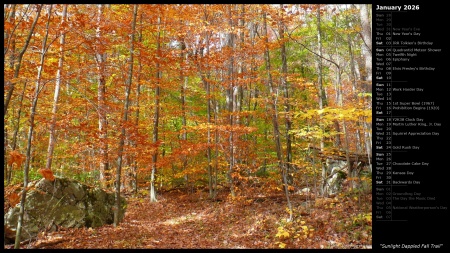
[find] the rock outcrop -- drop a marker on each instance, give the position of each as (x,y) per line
(338,171)
(63,203)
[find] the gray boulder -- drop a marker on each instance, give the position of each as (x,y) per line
(337,172)
(63,203)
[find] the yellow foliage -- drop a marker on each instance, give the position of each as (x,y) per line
(282,233)
(363,218)
(330,114)
(281,245)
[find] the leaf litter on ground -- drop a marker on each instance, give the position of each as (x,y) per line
(180,221)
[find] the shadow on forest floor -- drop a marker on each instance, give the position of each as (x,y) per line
(179,220)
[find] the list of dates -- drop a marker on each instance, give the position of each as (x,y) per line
(410,157)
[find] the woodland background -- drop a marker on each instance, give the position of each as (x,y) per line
(238,102)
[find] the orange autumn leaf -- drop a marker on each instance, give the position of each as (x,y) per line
(15,157)
(47,174)
(14,199)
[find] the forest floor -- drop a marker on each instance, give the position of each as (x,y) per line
(180,220)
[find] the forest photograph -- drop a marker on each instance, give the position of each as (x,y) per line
(209,126)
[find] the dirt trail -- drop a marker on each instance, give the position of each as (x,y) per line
(178,220)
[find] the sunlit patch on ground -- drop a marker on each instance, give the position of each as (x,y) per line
(177,222)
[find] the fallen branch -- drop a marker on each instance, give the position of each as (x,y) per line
(52,241)
(337,154)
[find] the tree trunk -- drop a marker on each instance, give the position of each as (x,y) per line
(338,89)
(100,58)
(30,132)
(9,172)
(241,69)
(51,142)
(216,143)
(156,115)
(367,52)
(184,83)
(285,85)
(273,94)
(9,36)
(212,184)
(354,88)
(125,117)
(239,91)
(134,169)
(366,34)
(231,103)
(19,60)
(344,128)
(321,93)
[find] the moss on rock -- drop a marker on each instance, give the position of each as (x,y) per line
(66,203)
